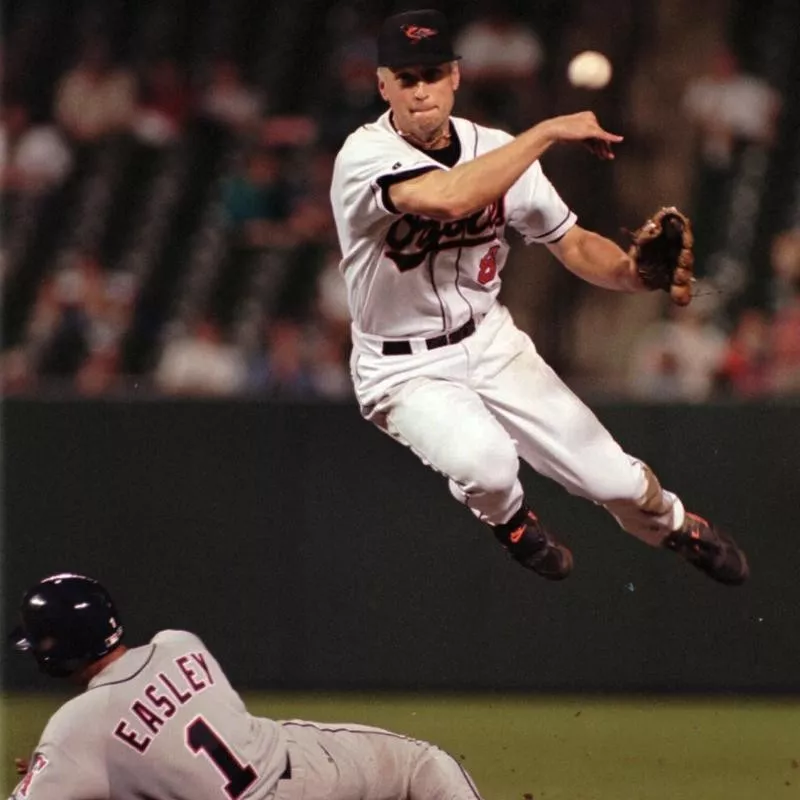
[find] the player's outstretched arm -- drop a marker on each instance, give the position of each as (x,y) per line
(467,188)
(597,260)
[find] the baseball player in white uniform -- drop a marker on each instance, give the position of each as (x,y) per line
(161,722)
(421,201)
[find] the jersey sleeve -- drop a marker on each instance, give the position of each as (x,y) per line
(54,775)
(536,209)
(366,168)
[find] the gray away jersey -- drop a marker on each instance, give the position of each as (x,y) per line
(410,276)
(160,723)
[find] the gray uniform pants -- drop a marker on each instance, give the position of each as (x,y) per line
(357,762)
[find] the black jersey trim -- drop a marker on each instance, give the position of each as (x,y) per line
(450,155)
(385,182)
(553,230)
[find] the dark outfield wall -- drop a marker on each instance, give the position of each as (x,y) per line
(310,551)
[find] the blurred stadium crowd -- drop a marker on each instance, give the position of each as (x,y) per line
(165,169)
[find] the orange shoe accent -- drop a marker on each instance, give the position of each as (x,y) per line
(694,531)
(516,534)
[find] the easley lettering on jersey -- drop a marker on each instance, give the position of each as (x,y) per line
(161,699)
(411,238)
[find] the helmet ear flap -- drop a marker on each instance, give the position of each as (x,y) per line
(18,641)
(57,668)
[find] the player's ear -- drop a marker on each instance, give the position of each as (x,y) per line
(455,75)
(382,83)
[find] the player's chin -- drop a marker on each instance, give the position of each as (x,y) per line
(429,118)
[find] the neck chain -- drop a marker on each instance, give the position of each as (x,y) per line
(438,142)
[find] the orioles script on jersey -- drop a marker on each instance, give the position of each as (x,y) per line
(160,700)
(412,238)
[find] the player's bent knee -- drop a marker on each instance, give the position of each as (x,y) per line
(437,774)
(492,470)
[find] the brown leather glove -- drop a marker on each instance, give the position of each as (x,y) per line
(662,252)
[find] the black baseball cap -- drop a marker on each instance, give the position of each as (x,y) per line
(415,38)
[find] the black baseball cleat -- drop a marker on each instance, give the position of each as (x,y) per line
(710,550)
(532,546)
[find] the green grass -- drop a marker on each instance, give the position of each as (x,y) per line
(572,748)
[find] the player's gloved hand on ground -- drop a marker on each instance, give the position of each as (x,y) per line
(661,249)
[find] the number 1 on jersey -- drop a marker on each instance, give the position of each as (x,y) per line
(201,736)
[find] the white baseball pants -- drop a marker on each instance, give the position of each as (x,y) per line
(471,410)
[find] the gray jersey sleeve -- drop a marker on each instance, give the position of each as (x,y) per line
(54,775)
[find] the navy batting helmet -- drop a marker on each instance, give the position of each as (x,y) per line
(68,621)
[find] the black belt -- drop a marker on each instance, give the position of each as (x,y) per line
(402,347)
(287,773)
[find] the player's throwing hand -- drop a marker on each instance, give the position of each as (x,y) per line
(582,127)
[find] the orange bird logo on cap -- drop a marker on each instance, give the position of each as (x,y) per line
(417,33)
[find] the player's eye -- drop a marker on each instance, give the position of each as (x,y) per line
(432,75)
(427,75)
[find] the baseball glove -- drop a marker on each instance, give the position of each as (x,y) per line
(662,252)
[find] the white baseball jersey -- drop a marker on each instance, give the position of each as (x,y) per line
(409,276)
(159,723)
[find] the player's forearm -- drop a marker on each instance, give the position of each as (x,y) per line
(469,187)
(598,261)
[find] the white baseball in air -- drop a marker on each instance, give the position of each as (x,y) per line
(589,70)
